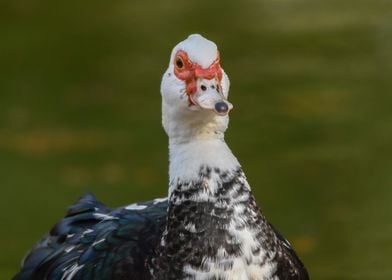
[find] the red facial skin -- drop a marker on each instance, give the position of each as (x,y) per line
(189,71)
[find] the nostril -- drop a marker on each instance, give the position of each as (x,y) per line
(212,86)
(203,88)
(217,88)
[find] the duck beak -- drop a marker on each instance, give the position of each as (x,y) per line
(209,97)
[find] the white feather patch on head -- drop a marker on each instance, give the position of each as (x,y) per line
(199,49)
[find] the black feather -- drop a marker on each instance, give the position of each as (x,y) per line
(107,244)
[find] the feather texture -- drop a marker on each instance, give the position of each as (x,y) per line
(95,242)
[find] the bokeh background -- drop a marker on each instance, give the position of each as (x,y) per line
(312,125)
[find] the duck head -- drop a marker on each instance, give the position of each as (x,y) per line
(195,90)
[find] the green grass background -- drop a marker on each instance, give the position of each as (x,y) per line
(312,125)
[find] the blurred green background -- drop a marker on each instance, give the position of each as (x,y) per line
(312,125)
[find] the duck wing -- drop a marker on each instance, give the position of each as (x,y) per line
(289,266)
(95,242)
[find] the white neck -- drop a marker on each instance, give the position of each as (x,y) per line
(186,158)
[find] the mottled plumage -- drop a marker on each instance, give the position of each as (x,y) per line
(215,227)
(209,227)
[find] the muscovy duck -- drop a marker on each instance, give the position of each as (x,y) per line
(209,226)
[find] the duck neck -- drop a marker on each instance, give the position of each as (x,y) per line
(195,161)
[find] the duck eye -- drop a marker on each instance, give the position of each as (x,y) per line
(179,62)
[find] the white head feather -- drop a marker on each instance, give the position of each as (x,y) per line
(181,120)
(198,48)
